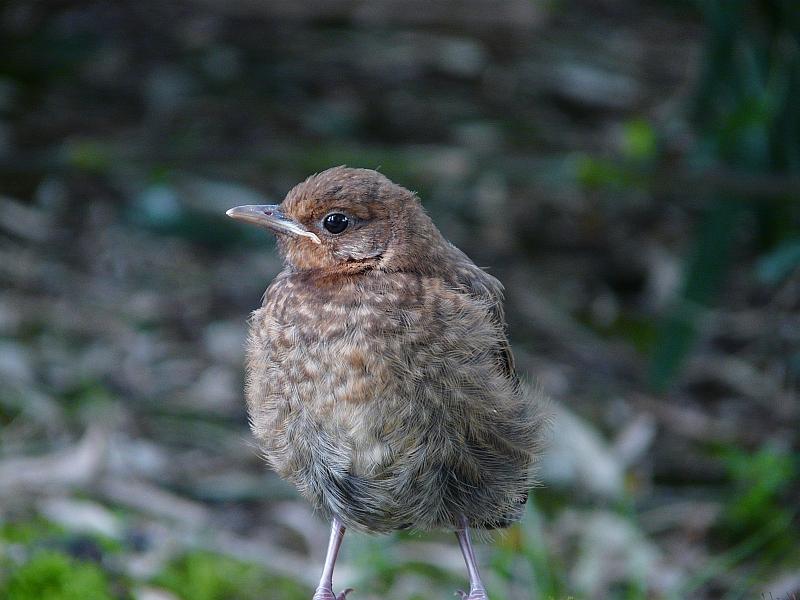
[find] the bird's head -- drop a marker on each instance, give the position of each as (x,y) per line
(349,220)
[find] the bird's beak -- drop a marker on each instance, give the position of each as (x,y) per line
(271,217)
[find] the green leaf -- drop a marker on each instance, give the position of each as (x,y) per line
(706,268)
(640,140)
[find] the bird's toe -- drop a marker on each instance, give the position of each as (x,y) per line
(327,594)
(474,594)
(324,594)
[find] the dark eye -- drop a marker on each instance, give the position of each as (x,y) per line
(336,222)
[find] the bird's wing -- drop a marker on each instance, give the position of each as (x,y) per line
(479,284)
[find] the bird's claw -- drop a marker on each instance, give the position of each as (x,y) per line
(474,594)
(327,594)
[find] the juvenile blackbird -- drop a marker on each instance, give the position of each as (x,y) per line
(380,381)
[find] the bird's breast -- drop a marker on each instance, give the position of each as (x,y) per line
(324,349)
(324,379)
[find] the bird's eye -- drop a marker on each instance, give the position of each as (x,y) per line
(336,222)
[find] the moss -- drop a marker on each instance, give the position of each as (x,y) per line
(206,576)
(55,576)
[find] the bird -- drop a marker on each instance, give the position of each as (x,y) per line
(379,376)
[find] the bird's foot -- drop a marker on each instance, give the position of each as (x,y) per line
(327,594)
(474,594)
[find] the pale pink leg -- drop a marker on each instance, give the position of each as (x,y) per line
(476,589)
(325,587)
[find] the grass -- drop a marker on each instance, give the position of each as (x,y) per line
(525,547)
(53,570)
(753,538)
(29,531)
(207,576)
(53,575)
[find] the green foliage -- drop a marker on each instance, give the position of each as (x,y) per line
(752,546)
(206,576)
(55,576)
(639,332)
(639,150)
(382,565)
(92,156)
(745,115)
(760,479)
(43,533)
(597,173)
(707,265)
(526,543)
(758,524)
(640,140)
(28,532)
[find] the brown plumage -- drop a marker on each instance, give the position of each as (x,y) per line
(380,380)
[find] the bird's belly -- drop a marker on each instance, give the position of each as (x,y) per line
(366,435)
(322,394)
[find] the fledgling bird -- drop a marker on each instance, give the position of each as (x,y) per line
(380,380)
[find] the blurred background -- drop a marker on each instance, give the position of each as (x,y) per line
(630,170)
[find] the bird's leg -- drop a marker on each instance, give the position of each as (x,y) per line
(325,587)
(476,589)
